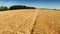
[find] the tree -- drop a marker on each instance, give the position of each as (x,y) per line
(14,7)
(2,8)
(17,7)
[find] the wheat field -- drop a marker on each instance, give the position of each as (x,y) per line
(30,21)
(47,22)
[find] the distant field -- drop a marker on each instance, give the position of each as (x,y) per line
(30,21)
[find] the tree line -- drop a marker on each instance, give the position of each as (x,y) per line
(15,7)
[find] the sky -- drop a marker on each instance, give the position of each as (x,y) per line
(51,4)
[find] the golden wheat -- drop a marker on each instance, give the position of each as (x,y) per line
(30,21)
